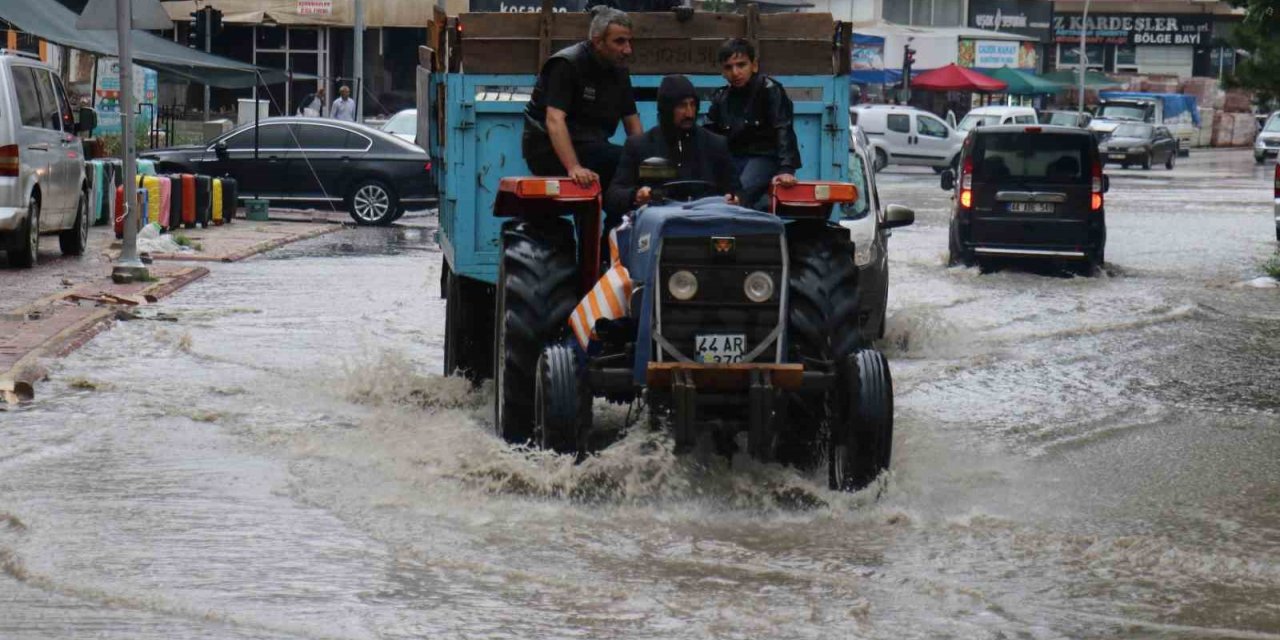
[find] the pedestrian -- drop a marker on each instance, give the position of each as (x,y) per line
(581,94)
(697,153)
(755,114)
(312,106)
(343,108)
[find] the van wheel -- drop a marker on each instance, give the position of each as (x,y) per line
(1146,161)
(25,244)
(882,159)
(1168,164)
(75,240)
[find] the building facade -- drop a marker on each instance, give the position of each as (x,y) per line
(1181,39)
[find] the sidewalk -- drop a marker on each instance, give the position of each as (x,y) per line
(62,303)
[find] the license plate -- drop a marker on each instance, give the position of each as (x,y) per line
(1117,156)
(721,348)
(1031,207)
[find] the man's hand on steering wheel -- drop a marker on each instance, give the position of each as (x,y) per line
(784,180)
(731,198)
(643,195)
(582,176)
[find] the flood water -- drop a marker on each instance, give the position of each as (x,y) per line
(271,453)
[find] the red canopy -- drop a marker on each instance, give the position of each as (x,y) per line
(955,78)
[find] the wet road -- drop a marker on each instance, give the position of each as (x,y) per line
(268,454)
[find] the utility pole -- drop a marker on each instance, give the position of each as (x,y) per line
(208,46)
(358,89)
(120,15)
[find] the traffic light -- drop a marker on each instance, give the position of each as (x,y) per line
(908,59)
(195,36)
(199,23)
(214,22)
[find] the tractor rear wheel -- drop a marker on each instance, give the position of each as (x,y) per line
(468,327)
(537,290)
(823,329)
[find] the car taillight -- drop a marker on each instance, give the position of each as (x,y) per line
(1033,130)
(966,183)
(427,167)
(9,163)
(1095,198)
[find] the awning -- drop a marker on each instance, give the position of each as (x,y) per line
(1092,79)
(50,20)
(956,78)
(1023,83)
(334,13)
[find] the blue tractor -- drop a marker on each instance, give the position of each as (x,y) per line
(735,327)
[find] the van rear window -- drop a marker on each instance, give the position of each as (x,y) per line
(1032,156)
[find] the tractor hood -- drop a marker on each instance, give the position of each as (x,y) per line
(641,245)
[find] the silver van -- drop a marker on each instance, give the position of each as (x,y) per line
(42,175)
(907,136)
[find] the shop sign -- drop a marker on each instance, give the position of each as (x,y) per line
(993,54)
(868,52)
(1023,17)
(525,6)
(1134,29)
(106,97)
(315,7)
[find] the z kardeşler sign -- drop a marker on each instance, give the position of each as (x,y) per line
(1134,29)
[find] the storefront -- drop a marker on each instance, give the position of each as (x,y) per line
(1148,44)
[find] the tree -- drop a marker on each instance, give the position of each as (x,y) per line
(1259,35)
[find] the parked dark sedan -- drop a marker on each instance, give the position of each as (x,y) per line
(1139,143)
(373,174)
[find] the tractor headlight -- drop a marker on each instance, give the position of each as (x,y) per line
(683,285)
(758,286)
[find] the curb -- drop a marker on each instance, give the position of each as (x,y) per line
(18,383)
(251,251)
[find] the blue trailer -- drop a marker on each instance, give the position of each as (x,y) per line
(478,76)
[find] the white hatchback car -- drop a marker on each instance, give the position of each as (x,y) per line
(995,116)
(42,176)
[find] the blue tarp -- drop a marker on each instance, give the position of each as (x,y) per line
(875,76)
(1175,104)
(702,218)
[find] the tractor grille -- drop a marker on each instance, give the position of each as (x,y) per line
(720,305)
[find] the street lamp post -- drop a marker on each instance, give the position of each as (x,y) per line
(1084,58)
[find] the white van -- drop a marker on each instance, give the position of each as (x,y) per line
(907,136)
(992,116)
(42,176)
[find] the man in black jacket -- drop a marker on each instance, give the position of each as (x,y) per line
(755,114)
(581,94)
(697,153)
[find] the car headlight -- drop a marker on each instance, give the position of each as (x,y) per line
(758,286)
(682,285)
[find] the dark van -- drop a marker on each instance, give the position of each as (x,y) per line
(1028,192)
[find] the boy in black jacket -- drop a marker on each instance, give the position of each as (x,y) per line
(755,114)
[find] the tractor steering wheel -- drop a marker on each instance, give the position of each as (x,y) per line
(685,190)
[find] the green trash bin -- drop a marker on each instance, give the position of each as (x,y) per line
(255,209)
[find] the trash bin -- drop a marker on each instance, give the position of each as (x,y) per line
(255,209)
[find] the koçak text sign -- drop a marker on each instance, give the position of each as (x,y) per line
(1134,29)
(525,6)
(315,7)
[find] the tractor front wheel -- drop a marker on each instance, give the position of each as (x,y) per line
(537,290)
(562,402)
(861,438)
